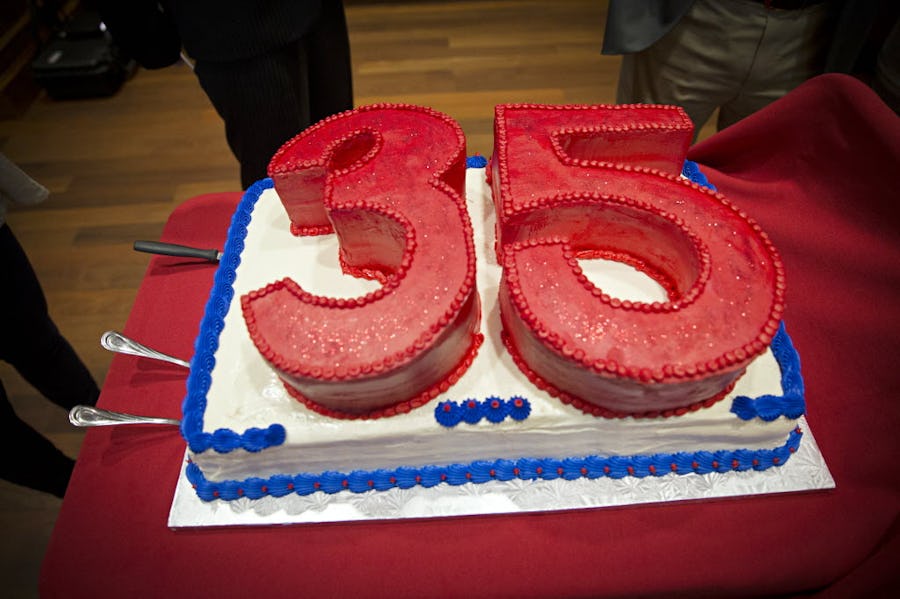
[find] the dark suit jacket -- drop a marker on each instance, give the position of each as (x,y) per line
(634,25)
(153,32)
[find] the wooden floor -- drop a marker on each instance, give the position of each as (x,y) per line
(116,167)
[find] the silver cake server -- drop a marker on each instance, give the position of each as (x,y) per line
(91,416)
(119,343)
(173,249)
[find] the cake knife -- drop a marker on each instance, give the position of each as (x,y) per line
(174,249)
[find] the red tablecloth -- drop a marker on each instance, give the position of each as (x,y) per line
(818,169)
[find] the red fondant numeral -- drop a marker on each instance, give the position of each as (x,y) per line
(389,180)
(571,182)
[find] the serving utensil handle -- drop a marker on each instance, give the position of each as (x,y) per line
(119,343)
(174,249)
(90,416)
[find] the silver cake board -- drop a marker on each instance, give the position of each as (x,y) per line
(804,471)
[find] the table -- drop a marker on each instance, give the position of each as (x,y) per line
(818,170)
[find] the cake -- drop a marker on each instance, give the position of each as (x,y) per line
(412,233)
(484,392)
(602,181)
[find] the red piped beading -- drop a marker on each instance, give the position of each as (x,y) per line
(387,350)
(723,277)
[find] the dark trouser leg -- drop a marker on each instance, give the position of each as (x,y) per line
(266,100)
(29,340)
(328,56)
(263,101)
(29,459)
(31,343)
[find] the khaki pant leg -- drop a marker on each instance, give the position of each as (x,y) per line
(792,49)
(698,65)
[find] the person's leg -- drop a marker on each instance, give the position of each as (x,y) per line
(328,58)
(30,341)
(699,64)
(793,49)
(29,459)
(263,101)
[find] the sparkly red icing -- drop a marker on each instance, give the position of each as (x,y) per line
(586,181)
(389,180)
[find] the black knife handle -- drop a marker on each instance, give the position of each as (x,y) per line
(173,249)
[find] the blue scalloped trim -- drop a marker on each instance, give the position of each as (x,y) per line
(691,170)
(472,411)
(222,440)
(770,407)
(476,161)
(482,471)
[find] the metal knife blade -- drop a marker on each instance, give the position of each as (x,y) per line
(174,249)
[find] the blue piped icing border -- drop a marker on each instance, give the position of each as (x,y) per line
(476,161)
(792,403)
(472,411)
(479,471)
(482,471)
(691,170)
(199,380)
